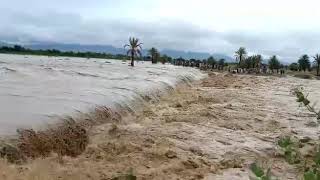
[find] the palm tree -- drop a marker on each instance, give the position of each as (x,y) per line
(154,55)
(257,62)
(317,63)
(212,61)
(304,62)
(274,63)
(134,48)
(241,54)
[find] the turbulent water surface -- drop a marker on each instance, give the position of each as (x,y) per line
(36,89)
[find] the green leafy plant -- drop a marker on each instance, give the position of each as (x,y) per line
(260,173)
(313,173)
(285,142)
(303,100)
(126,176)
(289,148)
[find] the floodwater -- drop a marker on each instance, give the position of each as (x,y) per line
(36,89)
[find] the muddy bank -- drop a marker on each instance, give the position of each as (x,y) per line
(211,130)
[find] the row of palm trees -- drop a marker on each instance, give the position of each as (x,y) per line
(250,62)
(255,62)
(244,61)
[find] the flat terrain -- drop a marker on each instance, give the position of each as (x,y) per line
(212,129)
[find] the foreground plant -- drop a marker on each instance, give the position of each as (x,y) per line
(313,173)
(260,173)
(289,149)
(126,176)
(303,100)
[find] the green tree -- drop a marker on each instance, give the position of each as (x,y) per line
(164,59)
(248,62)
(241,54)
(304,62)
(134,49)
(294,66)
(212,61)
(317,63)
(274,63)
(154,53)
(18,48)
(257,61)
(221,64)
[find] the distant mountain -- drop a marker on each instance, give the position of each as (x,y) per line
(4,44)
(76,47)
(114,50)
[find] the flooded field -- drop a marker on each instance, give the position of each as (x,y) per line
(34,90)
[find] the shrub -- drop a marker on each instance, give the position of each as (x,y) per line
(303,76)
(126,176)
(260,173)
(290,150)
(313,173)
(303,100)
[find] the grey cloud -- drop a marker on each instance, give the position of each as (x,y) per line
(72,28)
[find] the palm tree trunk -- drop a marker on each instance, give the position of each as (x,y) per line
(318,69)
(132,59)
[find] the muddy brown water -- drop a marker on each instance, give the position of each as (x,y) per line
(36,90)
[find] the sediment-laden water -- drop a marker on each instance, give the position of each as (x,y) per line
(34,90)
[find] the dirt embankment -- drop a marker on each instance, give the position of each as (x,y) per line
(211,130)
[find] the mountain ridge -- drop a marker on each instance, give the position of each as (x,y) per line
(114,50)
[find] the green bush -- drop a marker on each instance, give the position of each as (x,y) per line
(260,173)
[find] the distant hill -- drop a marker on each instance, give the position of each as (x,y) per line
(194,55)
(114,50)
(77,47)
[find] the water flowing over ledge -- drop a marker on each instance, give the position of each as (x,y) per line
(38,90)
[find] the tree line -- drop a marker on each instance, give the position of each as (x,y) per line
(16,49)
(254,62)
(244,62)
(304,64)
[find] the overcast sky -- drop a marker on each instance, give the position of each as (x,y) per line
(287,28)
